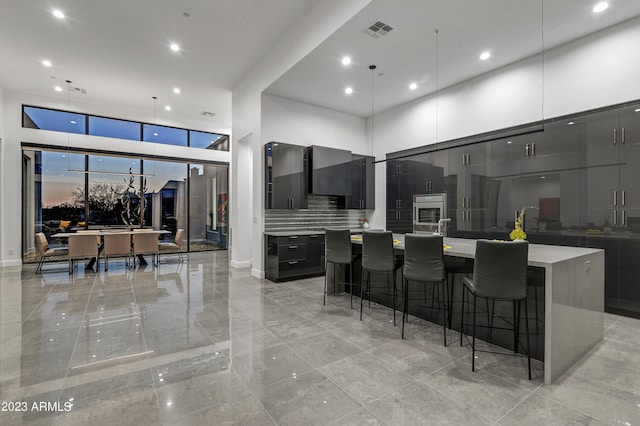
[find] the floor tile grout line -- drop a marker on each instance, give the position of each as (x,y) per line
(518,403)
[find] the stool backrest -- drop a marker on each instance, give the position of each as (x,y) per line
(41,243)
(117,244)
(82,246)
(178,239)
(500,269)
(377,251)
(423,257)
(337,245)
(145,243)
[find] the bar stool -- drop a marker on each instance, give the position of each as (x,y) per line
(499,274)
(378,256)
(337,250)
(424,262)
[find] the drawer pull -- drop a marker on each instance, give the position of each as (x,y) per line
(293,247)
(293,262)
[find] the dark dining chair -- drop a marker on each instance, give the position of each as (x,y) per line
(424,263)
(378,257)
(337,245)
(499,274)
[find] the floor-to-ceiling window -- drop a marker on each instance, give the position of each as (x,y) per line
(67,191)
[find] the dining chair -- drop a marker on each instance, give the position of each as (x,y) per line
(116,245)
(424,263)
(42,245)
(499,274)
(176,244)
(378,257)
(145,243)
(82,246)
(337,249)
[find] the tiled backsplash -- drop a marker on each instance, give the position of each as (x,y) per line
(322,213)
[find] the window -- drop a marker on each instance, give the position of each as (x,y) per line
(112,128)
(50,119)
(164,135)
(208,140)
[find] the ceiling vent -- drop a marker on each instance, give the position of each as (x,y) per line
(377,29)
(77,89)
(208,114)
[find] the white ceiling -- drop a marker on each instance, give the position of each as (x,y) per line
(118,50)
(510,29)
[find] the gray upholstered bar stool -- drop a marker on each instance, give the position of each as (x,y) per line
(377,256)
(424,262)
(499,274)
(337,250)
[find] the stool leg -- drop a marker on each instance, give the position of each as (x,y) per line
(473,339)
(404,305)
(462,316)
(526,328)
(444,313)
(394,297)
(351,283)
(324,295)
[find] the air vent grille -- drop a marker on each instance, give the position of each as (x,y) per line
(77,89)
(377,29)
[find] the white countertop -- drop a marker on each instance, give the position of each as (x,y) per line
(304,232)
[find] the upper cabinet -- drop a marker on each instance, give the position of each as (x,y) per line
(328,171)
(362,183)
(286,184)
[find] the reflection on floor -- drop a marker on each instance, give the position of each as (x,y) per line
(199,343)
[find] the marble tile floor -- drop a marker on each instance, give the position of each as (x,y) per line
(200,343)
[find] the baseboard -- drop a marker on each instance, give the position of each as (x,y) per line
(7,263)
(240,263)
(257,273)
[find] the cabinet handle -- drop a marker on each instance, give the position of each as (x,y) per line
(624,198)
(615,198)
(293,262)
(399,204)
(526,150)
(293,247)
(533,149)
(624,218)
(615,217)
(615,136)
(623,134)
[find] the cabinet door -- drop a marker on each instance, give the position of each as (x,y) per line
(601,138)
(362,183)
(507,156)
(369,183)
(556,148)
(603,198)
(280,175)
(297,178)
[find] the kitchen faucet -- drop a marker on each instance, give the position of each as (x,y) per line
(440,222)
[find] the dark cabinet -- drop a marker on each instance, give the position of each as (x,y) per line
(329,171)
(399,196)
(294,256)
(286,184)
(362,183)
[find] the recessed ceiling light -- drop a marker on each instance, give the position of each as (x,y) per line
(46,63)
(637,109)
(348,90)
(346,60)
(58,89)
(509,142)
(571,123)
(175,47)
(413,86)
(485,55)
(167,108)
(58,14)
(600,7)
(541,177)
(176,90)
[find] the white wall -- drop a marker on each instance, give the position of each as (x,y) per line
(11,157)
(247,222)
(299,123)
(595,71)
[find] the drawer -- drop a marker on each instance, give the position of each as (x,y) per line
(292,251)
(292,239)
(292,268)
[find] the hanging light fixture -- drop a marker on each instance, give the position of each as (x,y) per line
(372,68)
